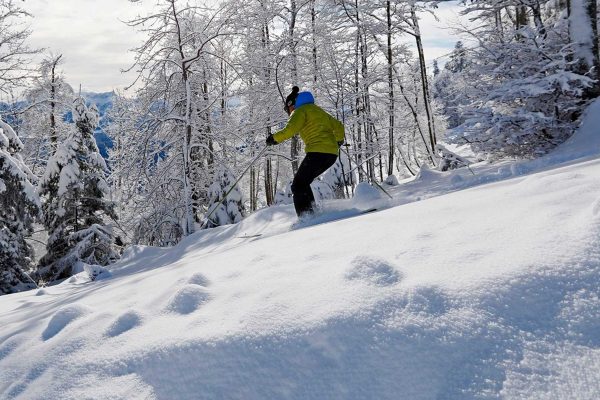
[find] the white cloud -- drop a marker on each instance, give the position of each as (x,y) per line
(90,34)
(95,43)
(438,38)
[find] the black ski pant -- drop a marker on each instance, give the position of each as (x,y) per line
(313,165)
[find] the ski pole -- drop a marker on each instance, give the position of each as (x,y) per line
(216,205)
(362,162)
(373,180)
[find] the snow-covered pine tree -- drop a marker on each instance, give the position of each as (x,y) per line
(19,206)
(75,208)
(230,210)
(447,86)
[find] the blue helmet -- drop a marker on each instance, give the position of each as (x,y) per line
(297,99)
(304,98)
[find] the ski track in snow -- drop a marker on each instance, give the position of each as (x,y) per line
(446,293)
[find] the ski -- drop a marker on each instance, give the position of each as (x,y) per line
(327,217)
(318,220)
(370,210)
(249,236)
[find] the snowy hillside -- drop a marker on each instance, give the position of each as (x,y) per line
(466,285)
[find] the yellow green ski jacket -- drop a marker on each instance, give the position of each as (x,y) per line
(319,131)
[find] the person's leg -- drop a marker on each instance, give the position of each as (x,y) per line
(301,191)
(313,165)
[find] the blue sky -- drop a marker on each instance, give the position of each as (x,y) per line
(95,43)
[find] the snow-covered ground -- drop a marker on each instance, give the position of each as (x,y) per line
(479,284)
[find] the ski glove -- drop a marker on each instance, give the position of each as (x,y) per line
(340,143)
(271,140)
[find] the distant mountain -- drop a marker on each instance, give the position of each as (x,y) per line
(7,112)
(103,102)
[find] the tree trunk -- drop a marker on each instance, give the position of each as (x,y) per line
(424,84)
(253,191)
(223,75)
(583,30)
(269,191)
(520,20)
(521,17)
(314,44)
(253,169)
(188,223)
(358,143)
(53,134)
(269,187)
(391,110)
(537,20)
(498,20)
(366,98)
(295,143)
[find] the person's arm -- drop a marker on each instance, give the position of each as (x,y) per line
(293,126)
(338,129)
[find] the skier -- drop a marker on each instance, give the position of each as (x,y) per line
(322,135)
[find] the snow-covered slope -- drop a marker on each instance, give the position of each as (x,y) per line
(468,285)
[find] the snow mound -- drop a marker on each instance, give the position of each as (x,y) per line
(373,271)
(96,272)
(596,208)
(90,387)
(62,318)
(391,180)
(457,181)
(124,323)
(585,142)
(188,299)
(427,174)
(365,194)
(199,279)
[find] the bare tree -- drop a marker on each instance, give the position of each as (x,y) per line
(173,68)
(49,98)
(14,52)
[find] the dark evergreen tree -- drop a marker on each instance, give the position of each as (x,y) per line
(75,208)
(457,61)
(445,87)
(19,206)
(436,68)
